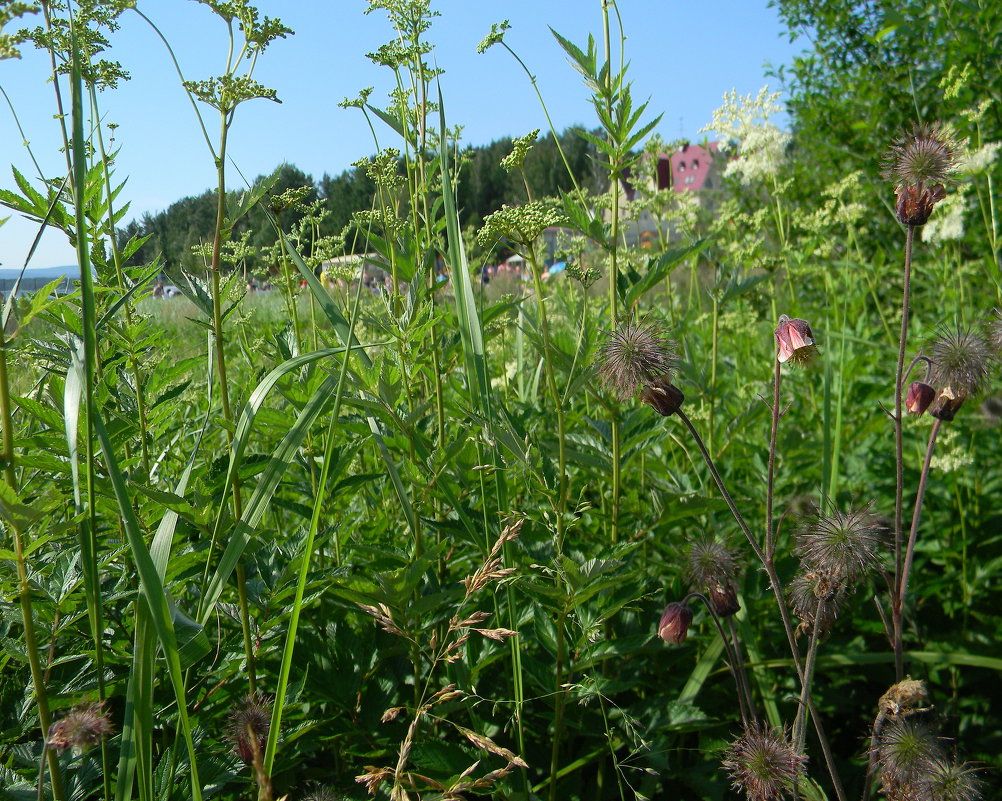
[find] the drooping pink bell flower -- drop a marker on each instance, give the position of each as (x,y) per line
(795,341)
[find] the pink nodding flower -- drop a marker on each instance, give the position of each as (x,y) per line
(795,340)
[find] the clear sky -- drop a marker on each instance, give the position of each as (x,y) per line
(684,56)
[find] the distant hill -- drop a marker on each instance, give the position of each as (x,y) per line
(38,278)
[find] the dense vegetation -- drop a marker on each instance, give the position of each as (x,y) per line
(483,186)
(439,538)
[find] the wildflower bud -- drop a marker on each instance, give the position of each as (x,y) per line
(675,621)
(920,395)
(663,396)
(724,599)
(915,203)
(795,340)
(946,405)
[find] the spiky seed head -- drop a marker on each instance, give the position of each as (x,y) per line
(763,764)
(709,567)
(708,561)
(636,355)
(994,333)
(816,601)
(907,754)
(795,342)
(322,794)
(920,164)
(949,780)
(81,728)
(961,358)
(248,727)
(920,395)
(675,622)
(841,547)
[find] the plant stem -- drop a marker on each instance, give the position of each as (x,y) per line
(899,461)
(770,535)
(777,589)
(799,732)
(902,588)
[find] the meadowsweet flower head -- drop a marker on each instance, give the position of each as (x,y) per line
(248,727)
(795,342)
(520,224)
(81,728)
(636,355)
(763,764)
(960,358)
(920,164)
(841,547)
(675,622)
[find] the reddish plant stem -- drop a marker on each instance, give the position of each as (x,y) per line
(902,588)
(899,460)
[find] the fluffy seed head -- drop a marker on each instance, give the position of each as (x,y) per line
(816,600)
(995,333)
(841,547)
(709,567)
(81,729)
(961,358)
(922,158)
(248,727)
(919,164)
(949,780)
(763,764)
(907,754)
(636,355)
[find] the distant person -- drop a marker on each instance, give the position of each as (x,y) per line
(158,290)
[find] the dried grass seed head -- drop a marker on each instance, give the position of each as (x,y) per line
(841,547)
(248,727)
(82,728)
(635,355)
(763,764)
(961,360)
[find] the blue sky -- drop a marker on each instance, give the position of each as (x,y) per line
(683,56)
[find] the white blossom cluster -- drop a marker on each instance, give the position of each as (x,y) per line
(947,222)
(761,145)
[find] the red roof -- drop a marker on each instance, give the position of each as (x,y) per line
(690,166)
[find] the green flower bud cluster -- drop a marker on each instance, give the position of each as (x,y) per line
(520,148)
(520,224)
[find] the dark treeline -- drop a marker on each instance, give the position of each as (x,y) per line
(483,188)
